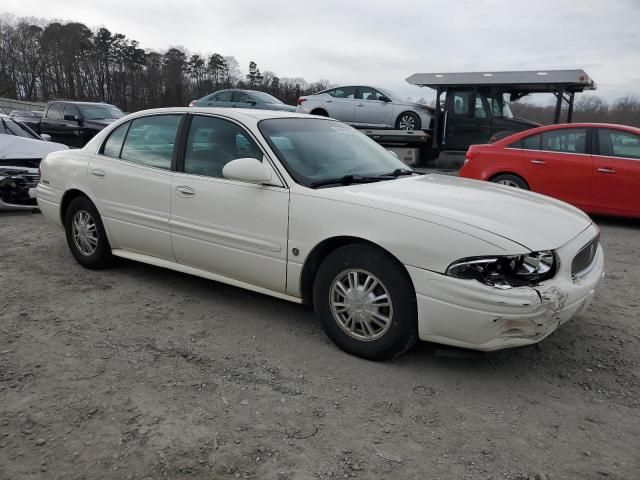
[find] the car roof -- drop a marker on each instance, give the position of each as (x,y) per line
(564,126)
(81,103)
(236,113)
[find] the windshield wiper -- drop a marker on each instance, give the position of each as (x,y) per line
(347,180)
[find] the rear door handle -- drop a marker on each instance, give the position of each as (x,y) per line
(185,192)
(98,173)
(359,104)
(539,162)
(606,170)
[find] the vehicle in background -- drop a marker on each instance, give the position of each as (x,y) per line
(367,107)
(235,98)
(21,151)
(309,209)
(75,123)
(595,167)
(31,118)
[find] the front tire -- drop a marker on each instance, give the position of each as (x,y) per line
(510,180)
(366,302)
(86,236)
(408,121)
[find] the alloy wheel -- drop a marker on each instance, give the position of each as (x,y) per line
(84,233)
(407,122)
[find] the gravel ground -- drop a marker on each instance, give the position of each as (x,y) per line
(142,373)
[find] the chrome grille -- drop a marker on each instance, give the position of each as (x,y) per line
(584,258)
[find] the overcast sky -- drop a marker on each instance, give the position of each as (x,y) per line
(381,42)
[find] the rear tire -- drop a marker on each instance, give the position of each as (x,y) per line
(373,313)
(408,121)
(86,236)
(510,180)
(319,112)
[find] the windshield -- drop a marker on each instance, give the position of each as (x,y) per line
(316,151)
(500,106)
(265,97)
(389,94)
(100,112)
(9,126)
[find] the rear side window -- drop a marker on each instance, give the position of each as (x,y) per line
(113,145)
(569,140)
(223,97)
(532,142)
(150,141)
(344,92)
(55,111)
(615,143)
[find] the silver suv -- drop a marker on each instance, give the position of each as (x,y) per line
(370,107)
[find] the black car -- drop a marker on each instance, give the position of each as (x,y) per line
(75,123)
(31,118)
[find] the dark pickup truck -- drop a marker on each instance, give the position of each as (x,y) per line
(75,123)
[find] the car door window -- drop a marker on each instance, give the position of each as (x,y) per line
(461,103)
(214,142)
(71,110)
(368,93)
(113,145)
(344,92)
(223,97)
(480,111)
(55,111)
(242,97)
(616,143)
(150,141)
(570,140)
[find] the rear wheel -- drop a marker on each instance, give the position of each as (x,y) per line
(86,237)
(366,302)
(408,121)
(510,180)
(320,113)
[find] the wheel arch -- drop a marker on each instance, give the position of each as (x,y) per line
(319,109)
(321,251)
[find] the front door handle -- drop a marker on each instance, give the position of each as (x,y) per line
(539,162)
(98,173)
(359,104)
(328,101)
(606,170)
(185,192)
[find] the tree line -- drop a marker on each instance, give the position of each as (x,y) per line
(41,60)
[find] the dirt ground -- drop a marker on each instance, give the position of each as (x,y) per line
(141,373)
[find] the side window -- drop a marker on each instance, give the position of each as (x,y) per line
(480,112)
(242,97)
(113,145)
(150,141)
(330,92)
(223,97)
(461,103)
(70,109)
(532,142)
(569,140)
(344,92)
(55,111)
(615,143)
(213,142)
(368,93)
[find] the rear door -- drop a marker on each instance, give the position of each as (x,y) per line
(131,179)
(342,104)
(616,172)
(70,129)
(369,110)
(559,164)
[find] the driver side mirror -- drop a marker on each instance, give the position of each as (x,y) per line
(250,170)
(46,137)
(384,98)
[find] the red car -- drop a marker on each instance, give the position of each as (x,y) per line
(595,167)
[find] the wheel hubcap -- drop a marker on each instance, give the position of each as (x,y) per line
(84,233)
(361,304)
(407,122)
(509,183)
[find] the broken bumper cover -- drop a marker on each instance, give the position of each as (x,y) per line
(469,314)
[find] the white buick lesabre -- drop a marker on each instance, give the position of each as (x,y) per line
(310,210)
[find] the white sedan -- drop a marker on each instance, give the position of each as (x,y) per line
(310,210)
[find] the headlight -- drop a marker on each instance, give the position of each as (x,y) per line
(506,271)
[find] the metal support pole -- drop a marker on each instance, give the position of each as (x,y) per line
(570,110)
(436,123)
(559,96)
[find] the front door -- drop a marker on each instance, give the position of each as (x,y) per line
(468,120)
(616,173)
(131,179)
(230,228)
(70,129)
(370,111)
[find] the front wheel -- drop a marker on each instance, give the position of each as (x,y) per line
(366,302)
(86,237)
(511,181)
(408,121)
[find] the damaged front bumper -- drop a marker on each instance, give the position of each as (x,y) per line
(469,314)
(18,181)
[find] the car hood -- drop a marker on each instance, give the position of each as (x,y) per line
(535,221)
(21,147)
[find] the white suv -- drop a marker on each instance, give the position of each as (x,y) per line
(371,107)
